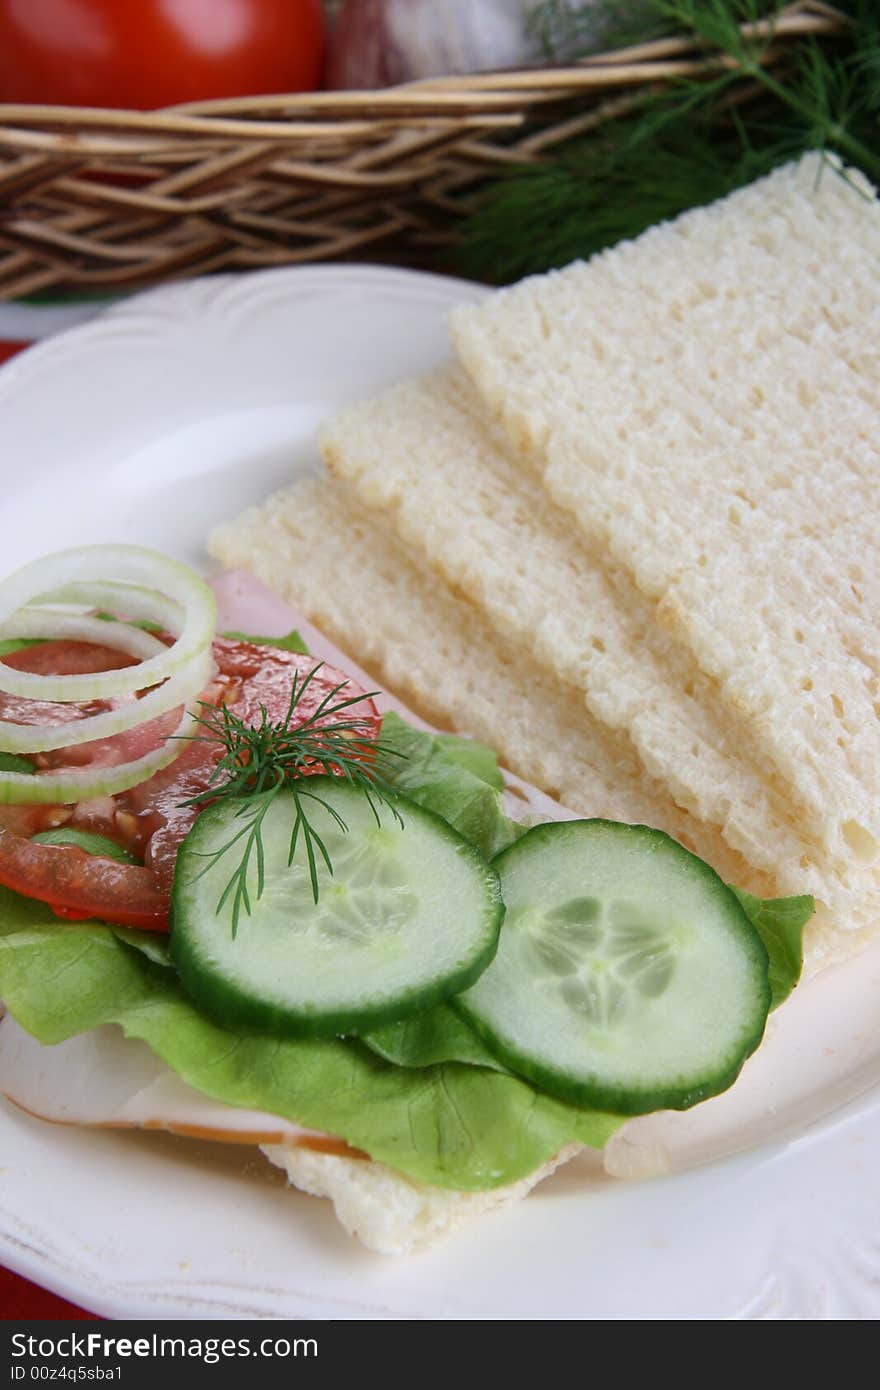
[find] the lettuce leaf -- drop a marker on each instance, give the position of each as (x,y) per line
(153,944)
(447,1114)
(780,924)
(292,642)
(436,1035)
(17,644)
(464,1127)
(474,757)
(455,777)
(424,1096)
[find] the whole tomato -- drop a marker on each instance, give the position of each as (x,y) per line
(149,53)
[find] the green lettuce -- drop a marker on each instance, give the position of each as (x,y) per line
(424,1096)
(153,944)
(292,642)
(455,777)
(474,757)
(780,924)
(436,1035)
(458,1126)
(17,644)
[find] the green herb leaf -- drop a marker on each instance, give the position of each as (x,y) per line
(259,759)
(686,142)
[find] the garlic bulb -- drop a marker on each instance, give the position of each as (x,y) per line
(377,43)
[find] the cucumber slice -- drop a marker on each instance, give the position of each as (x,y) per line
(410,915)
(628,977)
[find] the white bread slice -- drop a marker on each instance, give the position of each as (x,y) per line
(423,452)
(391,1213)
(350,575)
(704,401)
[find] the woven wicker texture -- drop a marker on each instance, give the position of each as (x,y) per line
(95,201)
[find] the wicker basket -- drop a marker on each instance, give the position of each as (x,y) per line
(96,201)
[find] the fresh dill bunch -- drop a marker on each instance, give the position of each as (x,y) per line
(262,758)
(590,199)
(690,143)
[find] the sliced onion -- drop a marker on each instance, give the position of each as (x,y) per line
(142,585)
(43,738)
(66,787)
(90,565)
(79,627)
(130,600)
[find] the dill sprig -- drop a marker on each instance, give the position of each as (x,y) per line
(262,758)
(690,142)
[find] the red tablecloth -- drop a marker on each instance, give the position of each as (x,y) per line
(25,1302)
(9,348)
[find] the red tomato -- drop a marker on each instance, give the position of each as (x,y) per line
(144,54)
(149,819)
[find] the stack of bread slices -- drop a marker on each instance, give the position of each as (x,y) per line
(630,537)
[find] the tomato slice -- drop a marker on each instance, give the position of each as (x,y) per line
(151,819)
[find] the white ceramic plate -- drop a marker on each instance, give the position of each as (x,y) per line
(173,411)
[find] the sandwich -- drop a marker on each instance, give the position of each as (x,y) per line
(411,1116)
(607,557)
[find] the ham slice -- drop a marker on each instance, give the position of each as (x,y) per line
(102,1078)
(246,604)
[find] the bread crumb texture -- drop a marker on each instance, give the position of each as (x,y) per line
(703,402)
(352,576)
(424,456)
(389,1213)
(629,539)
